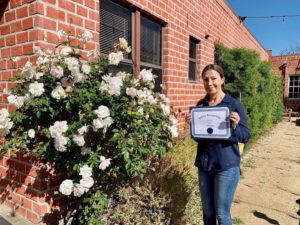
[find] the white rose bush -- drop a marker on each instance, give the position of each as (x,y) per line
(98,127)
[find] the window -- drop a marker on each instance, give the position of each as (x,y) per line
(192,58)
(141,32)
(115,22)
(294,87)
(151,49)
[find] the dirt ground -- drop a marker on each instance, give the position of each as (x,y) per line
(270,183)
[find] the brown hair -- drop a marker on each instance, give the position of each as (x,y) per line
(213,67)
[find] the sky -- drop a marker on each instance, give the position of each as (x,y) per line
(276,34)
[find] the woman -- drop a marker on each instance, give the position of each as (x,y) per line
(218,161)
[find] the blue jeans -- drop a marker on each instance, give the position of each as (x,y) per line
(217,190)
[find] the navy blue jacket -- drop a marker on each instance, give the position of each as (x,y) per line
(219,155)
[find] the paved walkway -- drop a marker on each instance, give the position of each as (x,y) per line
(6,219)
(270,184)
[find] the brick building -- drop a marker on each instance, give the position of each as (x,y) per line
(174,38)
(288,67)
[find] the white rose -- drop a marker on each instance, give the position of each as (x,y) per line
(77,76)
(86,171)
(79,140)
(17,101)
(27,71)
(58,128)
(121,74)
(5,123)
(141,110)
(85,151)
(31,133)
(61,34)
(72,63)
(166,109)
(104,163)
(131,91)
(173,120)
(82,130)
(87,182)
(58,93)
(107,122)
(87,36)
(66,187)
(38,75)
(146,75)
(98,124)
(36,89)
(78,190)
(114,58)
(57,71)
(102,111)
(66,51)
(86,69)
(60,143)
(174,131)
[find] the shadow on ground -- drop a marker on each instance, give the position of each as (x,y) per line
(265,217)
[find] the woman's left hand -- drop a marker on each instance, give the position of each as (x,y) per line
(235,119)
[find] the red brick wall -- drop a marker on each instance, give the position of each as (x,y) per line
(24,24)
(194,18)
(285,66)
(27,23)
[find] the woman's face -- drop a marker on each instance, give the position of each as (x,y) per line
(212,82)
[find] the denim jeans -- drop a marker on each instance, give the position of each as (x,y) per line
(217,190)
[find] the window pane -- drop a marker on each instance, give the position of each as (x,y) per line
(150,41)
(192,70)
(193,48)
(126,67)
(115,22)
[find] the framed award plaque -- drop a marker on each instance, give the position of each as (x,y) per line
(210,123)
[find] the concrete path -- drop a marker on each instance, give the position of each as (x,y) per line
(270,184)
(7,219)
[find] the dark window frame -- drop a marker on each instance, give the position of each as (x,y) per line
(135,57)
(193,57)
(294,87)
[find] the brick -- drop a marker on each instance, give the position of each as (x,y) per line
(26,203)
(90,3)
(82,11)
(27,23)
(2,42)
(33,217)
(67,5)
(36,8)
(5,75)
(22,37)
(16,51)
(40,209)
(52,38)
(5,53)
(9,16)
(16,26)
(74,20)
(4,29)
(15,3)
(27,49)
(22,12)
(10,40)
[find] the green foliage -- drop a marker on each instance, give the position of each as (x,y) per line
(252,79)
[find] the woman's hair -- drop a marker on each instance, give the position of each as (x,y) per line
(213,67)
